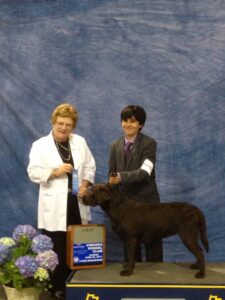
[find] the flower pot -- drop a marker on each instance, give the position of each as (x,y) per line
(24,294)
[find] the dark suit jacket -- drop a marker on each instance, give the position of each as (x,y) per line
(136,183)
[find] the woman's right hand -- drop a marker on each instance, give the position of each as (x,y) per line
(63,169)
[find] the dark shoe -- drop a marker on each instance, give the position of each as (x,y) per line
(60,295)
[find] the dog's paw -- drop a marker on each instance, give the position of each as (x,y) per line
(125,273)
(199,275)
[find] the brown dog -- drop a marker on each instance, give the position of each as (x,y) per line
(137,222)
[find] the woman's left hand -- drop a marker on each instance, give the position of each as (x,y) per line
(82,190)
(84,186)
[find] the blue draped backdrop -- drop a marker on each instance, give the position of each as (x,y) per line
(100,55)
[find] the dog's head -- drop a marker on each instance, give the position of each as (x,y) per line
(97,194)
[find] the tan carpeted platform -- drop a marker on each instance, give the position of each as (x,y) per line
(152,273)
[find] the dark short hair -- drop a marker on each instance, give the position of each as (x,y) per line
(134,111)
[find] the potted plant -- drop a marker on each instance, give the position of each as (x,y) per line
(26,261)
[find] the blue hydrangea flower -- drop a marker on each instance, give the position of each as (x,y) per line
(24,230)
(47,260)
(27,265)
(41,243)
(36,261)
(4,252)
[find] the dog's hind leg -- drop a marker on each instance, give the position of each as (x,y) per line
(131,251)
(196,265)
(193,247)
(200,261)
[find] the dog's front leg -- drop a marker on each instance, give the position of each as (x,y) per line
(131,245)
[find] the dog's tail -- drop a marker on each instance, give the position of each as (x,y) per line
(203,234)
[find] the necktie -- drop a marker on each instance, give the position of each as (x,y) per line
(127,149)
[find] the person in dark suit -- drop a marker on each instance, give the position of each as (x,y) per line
(132,167)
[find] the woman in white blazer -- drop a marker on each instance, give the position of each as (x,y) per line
(53,159)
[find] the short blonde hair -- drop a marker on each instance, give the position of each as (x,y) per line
(65,110)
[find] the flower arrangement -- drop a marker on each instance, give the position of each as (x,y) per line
(27,259)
